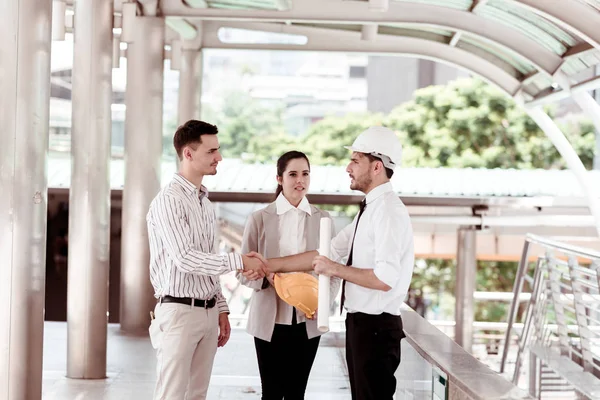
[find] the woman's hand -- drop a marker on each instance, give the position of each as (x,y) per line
(271,278)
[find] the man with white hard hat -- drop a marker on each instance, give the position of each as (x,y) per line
(378,247)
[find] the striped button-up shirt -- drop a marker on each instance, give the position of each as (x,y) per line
(181,229)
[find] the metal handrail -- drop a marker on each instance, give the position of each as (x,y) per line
(563,247)
(469,376)
(521,276)
(565,291)
(517,288)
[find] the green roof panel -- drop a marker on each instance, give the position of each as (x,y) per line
(517,62)
(536,27)
(458,4)
(243,4)
(234,176)
(594,3)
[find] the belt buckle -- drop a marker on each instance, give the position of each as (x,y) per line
(206,304)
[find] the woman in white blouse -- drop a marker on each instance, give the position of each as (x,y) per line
(286,340)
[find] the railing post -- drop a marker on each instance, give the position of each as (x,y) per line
(514,306)
(534,375)
(466,271)
(581,316)
(529,316)
(556,290)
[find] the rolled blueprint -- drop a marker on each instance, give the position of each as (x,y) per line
(324,250)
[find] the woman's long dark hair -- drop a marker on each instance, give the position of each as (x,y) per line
(283,162)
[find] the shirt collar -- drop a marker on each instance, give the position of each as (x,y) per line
(379,191)
(190,188)
(283,205)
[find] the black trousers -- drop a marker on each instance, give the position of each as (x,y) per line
(285,362)
(373,354)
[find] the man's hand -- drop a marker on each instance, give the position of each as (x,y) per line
(324,266)
(254,266)
(224,329)
(263,260)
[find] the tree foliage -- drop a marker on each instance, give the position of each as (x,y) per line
(465,124)
(242,120)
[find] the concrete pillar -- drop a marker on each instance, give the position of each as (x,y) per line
(143,150)
(187,85)
(89,197)
(25,29)
(199,75)
(187,90)
(597,98)
(466,270)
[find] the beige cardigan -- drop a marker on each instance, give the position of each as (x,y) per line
(262,235)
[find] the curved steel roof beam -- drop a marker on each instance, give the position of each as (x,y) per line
(574,163)
(572,15)
(320,39)
(415,14)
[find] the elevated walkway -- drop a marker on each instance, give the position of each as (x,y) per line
(131,374)
(131,363)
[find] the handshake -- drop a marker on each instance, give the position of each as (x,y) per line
(255,266)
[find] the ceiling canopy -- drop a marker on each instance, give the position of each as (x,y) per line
(535,50)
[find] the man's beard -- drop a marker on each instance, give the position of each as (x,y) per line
(362,184)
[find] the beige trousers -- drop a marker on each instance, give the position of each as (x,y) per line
(185,339)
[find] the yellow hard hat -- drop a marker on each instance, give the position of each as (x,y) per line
(300,290)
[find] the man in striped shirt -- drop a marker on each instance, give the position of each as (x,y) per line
(191,317)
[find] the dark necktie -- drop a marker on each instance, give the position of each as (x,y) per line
(363,206)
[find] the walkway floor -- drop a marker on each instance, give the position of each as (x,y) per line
(131,363)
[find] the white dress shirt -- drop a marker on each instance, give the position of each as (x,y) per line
(292,221)
(181,230)
(384,243)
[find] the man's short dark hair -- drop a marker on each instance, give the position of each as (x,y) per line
(389,172)
(191,132)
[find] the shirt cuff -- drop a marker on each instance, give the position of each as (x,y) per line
(234,261)
(265,283)
(387,275)
(222,306)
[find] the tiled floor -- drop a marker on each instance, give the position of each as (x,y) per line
(131,363)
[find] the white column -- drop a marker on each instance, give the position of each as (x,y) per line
(591,190)
(198,94)
(188,107)
(187,85)
(25,29)
(89,196)
(597,98)
(466,271)
(143,150)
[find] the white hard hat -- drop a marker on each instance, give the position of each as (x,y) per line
(380,142)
